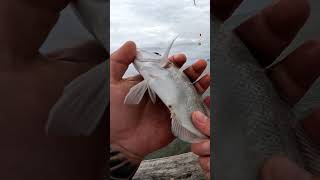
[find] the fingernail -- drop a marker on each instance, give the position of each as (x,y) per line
(200,117)
(175,56)
(281,168)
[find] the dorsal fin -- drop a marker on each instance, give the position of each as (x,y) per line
(165,60)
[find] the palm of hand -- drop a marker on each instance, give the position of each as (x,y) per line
(146,122)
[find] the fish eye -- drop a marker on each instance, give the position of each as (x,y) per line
(157,53)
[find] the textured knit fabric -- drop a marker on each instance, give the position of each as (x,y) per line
(250,121)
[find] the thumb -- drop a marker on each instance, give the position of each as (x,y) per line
(281,168)
(121,59)
(202,122)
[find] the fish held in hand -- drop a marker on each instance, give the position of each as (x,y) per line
(164,79)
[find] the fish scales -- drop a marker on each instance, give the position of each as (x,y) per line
(183,101)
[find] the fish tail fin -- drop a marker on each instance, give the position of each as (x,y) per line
(137,92)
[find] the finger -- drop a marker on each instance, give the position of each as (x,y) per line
(222,9)
(201,122)
(269,32)
(299,70)
(205,163)
(178,59)
(281,168)
(207,101)
(208,175)
(203,84)
(194,71)
(311,124)
(202,148)
(121,59)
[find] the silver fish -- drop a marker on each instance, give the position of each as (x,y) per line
(163,78)
(251,122)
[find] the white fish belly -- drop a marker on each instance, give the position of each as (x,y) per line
(179,95)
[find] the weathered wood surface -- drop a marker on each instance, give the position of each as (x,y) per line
(183,166)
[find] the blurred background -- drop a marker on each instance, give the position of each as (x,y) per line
(153,24)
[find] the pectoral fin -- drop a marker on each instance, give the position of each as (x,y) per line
(184,67)
(206,93)
(136,93)
(152,95)
(204,73)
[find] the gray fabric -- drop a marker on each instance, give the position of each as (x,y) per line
(82,105)
(309,31)
(94,14)
(85,99)
(247,9)
(310,151)
(250,121)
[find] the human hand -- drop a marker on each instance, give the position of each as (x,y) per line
(266,35)
(202,149)
(146,127)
